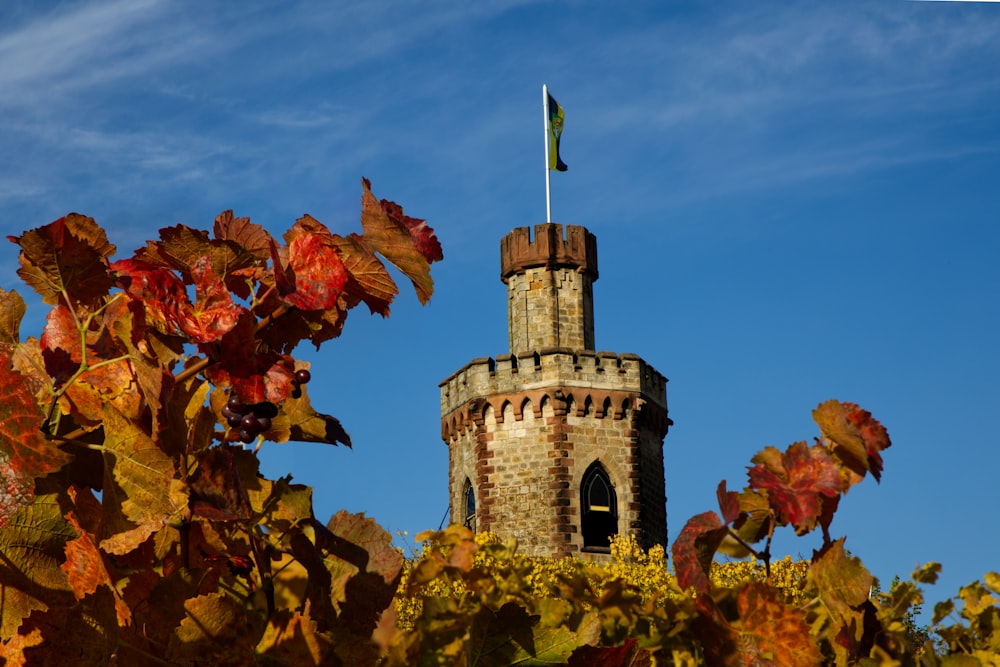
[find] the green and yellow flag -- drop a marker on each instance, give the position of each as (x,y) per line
(555,131)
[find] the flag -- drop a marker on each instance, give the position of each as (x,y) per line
(555,131)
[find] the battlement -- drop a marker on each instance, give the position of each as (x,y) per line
(559,369)
(518,251)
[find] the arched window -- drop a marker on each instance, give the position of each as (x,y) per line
(600,509)
(470,506)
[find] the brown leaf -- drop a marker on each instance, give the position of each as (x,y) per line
(69,255)
(215,631)
(241,231)
(12,310)
(392,240)
(33,546)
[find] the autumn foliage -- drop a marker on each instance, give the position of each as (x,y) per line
(136,528)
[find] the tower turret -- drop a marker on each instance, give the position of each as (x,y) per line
(550,298)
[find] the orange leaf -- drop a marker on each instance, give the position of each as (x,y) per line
(772,633)
(369,280)
(854,436)
(214,314)
(391,238)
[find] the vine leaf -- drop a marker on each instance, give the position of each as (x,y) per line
(315,275)
(510,636)
(292,638)
(69,255)
(369,281)
(771,632)
(422,235)
(12,310)
(729,503)
(694,549)
(215,631)
(797,481)
(214,314)
(252,237)
(24,452)
(254,375)
(298,421)
(152,493)
(33,544)
(180,247)
(392,239)
(841,581)
(854,436)
(216,489)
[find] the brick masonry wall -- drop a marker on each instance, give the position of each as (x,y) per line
(550,308)
(525,433)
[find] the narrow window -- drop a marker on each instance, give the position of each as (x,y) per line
(600,509)
(470,506)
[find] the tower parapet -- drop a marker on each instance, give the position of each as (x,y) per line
(550,299)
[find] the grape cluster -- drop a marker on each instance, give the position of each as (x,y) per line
(302,376)
(251,420)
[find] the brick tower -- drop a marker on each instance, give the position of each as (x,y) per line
(555,444)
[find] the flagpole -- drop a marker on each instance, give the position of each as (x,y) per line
(548,172)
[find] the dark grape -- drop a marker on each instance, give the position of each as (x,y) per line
(236,404)
(235,421)
(303,376)
(266,409)
(247,437)
(263,424)
(250,423)
(297,392)
(226,412)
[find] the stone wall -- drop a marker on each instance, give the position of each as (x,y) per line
(525,429)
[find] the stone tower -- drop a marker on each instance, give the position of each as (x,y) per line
(555,444)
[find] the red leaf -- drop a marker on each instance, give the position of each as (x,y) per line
(729,503)
(24,452)
(797,481)
(60,343)
(254,375)
(423,236)
(317,274)
(158,289)
(694,549)
(214,314)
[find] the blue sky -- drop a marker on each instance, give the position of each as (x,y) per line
(793,202)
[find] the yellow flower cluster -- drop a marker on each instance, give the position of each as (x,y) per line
(517,576)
